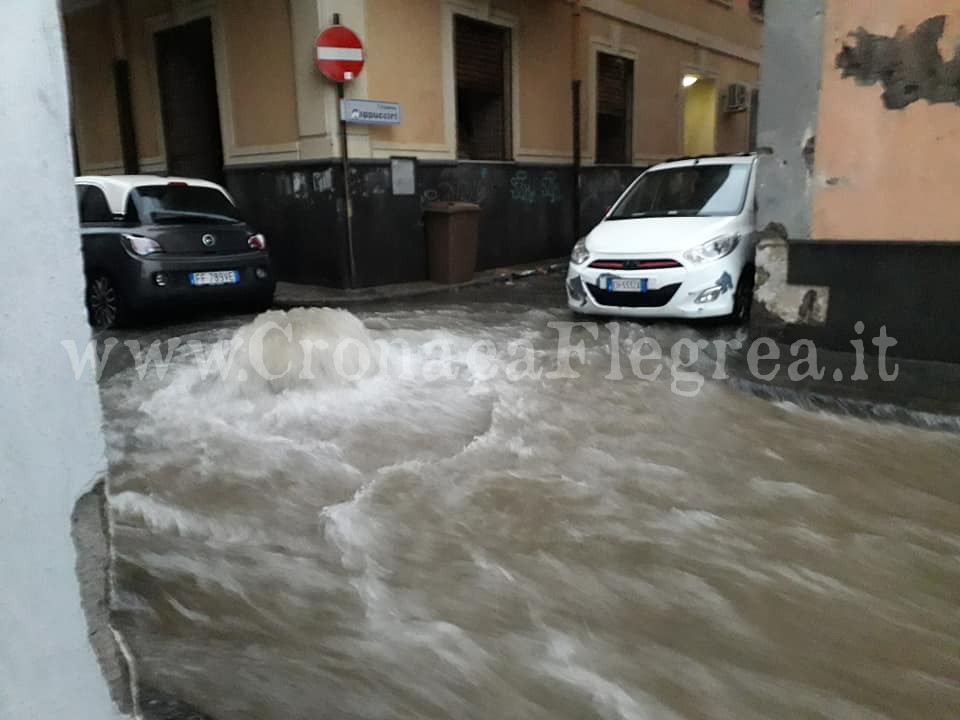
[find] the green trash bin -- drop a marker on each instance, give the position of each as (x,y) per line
(453,231)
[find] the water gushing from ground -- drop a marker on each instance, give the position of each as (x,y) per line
(473,548)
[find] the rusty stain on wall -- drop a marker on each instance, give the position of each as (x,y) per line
(908,65)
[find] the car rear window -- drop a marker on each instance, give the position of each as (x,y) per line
(183,204)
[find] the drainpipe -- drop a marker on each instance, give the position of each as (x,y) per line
(575,98)
(121,79)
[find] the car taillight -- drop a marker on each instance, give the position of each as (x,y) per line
(143,245)
(257,242)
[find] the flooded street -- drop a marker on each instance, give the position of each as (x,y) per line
(390,548)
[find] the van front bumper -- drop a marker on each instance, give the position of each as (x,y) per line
(704,291)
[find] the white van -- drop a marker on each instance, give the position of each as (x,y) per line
(679,243)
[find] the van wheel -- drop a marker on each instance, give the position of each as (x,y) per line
(743,297)
(104,306)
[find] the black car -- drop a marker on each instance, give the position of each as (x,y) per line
(152,243)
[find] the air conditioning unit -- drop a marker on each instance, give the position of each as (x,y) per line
(738,98)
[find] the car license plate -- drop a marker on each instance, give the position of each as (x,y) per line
(629,285)
(220,277)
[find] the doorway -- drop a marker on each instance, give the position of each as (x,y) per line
(700,118)
(186,72)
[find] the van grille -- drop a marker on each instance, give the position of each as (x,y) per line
(635,264)
(649,299)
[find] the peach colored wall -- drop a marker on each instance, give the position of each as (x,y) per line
(90,56)
(260,62)
(892,173)
(404,58)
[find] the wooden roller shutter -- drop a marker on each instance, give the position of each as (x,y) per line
(480,56)
(612,84)
(482,52)
(614,109)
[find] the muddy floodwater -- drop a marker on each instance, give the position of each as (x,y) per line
(479,547)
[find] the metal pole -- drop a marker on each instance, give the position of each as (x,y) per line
(575,92)
(347,203)
(576,159)
(345,155)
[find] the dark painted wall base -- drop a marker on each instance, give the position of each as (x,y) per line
(908,287)
(924,394)
(526,214)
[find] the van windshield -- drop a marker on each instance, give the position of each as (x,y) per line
(176,204)
(692,191)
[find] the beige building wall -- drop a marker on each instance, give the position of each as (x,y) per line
(546,73)
(884,174)
(254,58)
(405,71)
(90,56)
(663,51)
(733,129)
(728,20)
(410,60)
(274,108)
(259,55)
(143,82)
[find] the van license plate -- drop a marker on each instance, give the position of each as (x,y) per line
(221,277)
(628,285)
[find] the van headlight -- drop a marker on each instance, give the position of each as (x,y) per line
(580,253)
(715,249)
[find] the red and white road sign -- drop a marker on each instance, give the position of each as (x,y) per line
(340,54)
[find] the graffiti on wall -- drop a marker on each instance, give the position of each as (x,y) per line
(456,184)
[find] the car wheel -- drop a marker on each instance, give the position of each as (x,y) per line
(104,306)
(743,296)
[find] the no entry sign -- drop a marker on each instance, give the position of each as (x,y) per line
(339,54)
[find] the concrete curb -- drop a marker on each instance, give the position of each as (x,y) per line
(291,295)
(924,395)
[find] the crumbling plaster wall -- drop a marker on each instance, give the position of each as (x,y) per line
(790,100)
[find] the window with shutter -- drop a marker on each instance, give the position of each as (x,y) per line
(614,109)
(482,53)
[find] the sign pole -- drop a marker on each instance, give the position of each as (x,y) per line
(345,156)
(347,202)
(340,57)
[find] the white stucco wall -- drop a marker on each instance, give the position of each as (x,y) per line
(51,447)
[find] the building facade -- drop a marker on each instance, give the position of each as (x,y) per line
(859,134)
(227,89)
